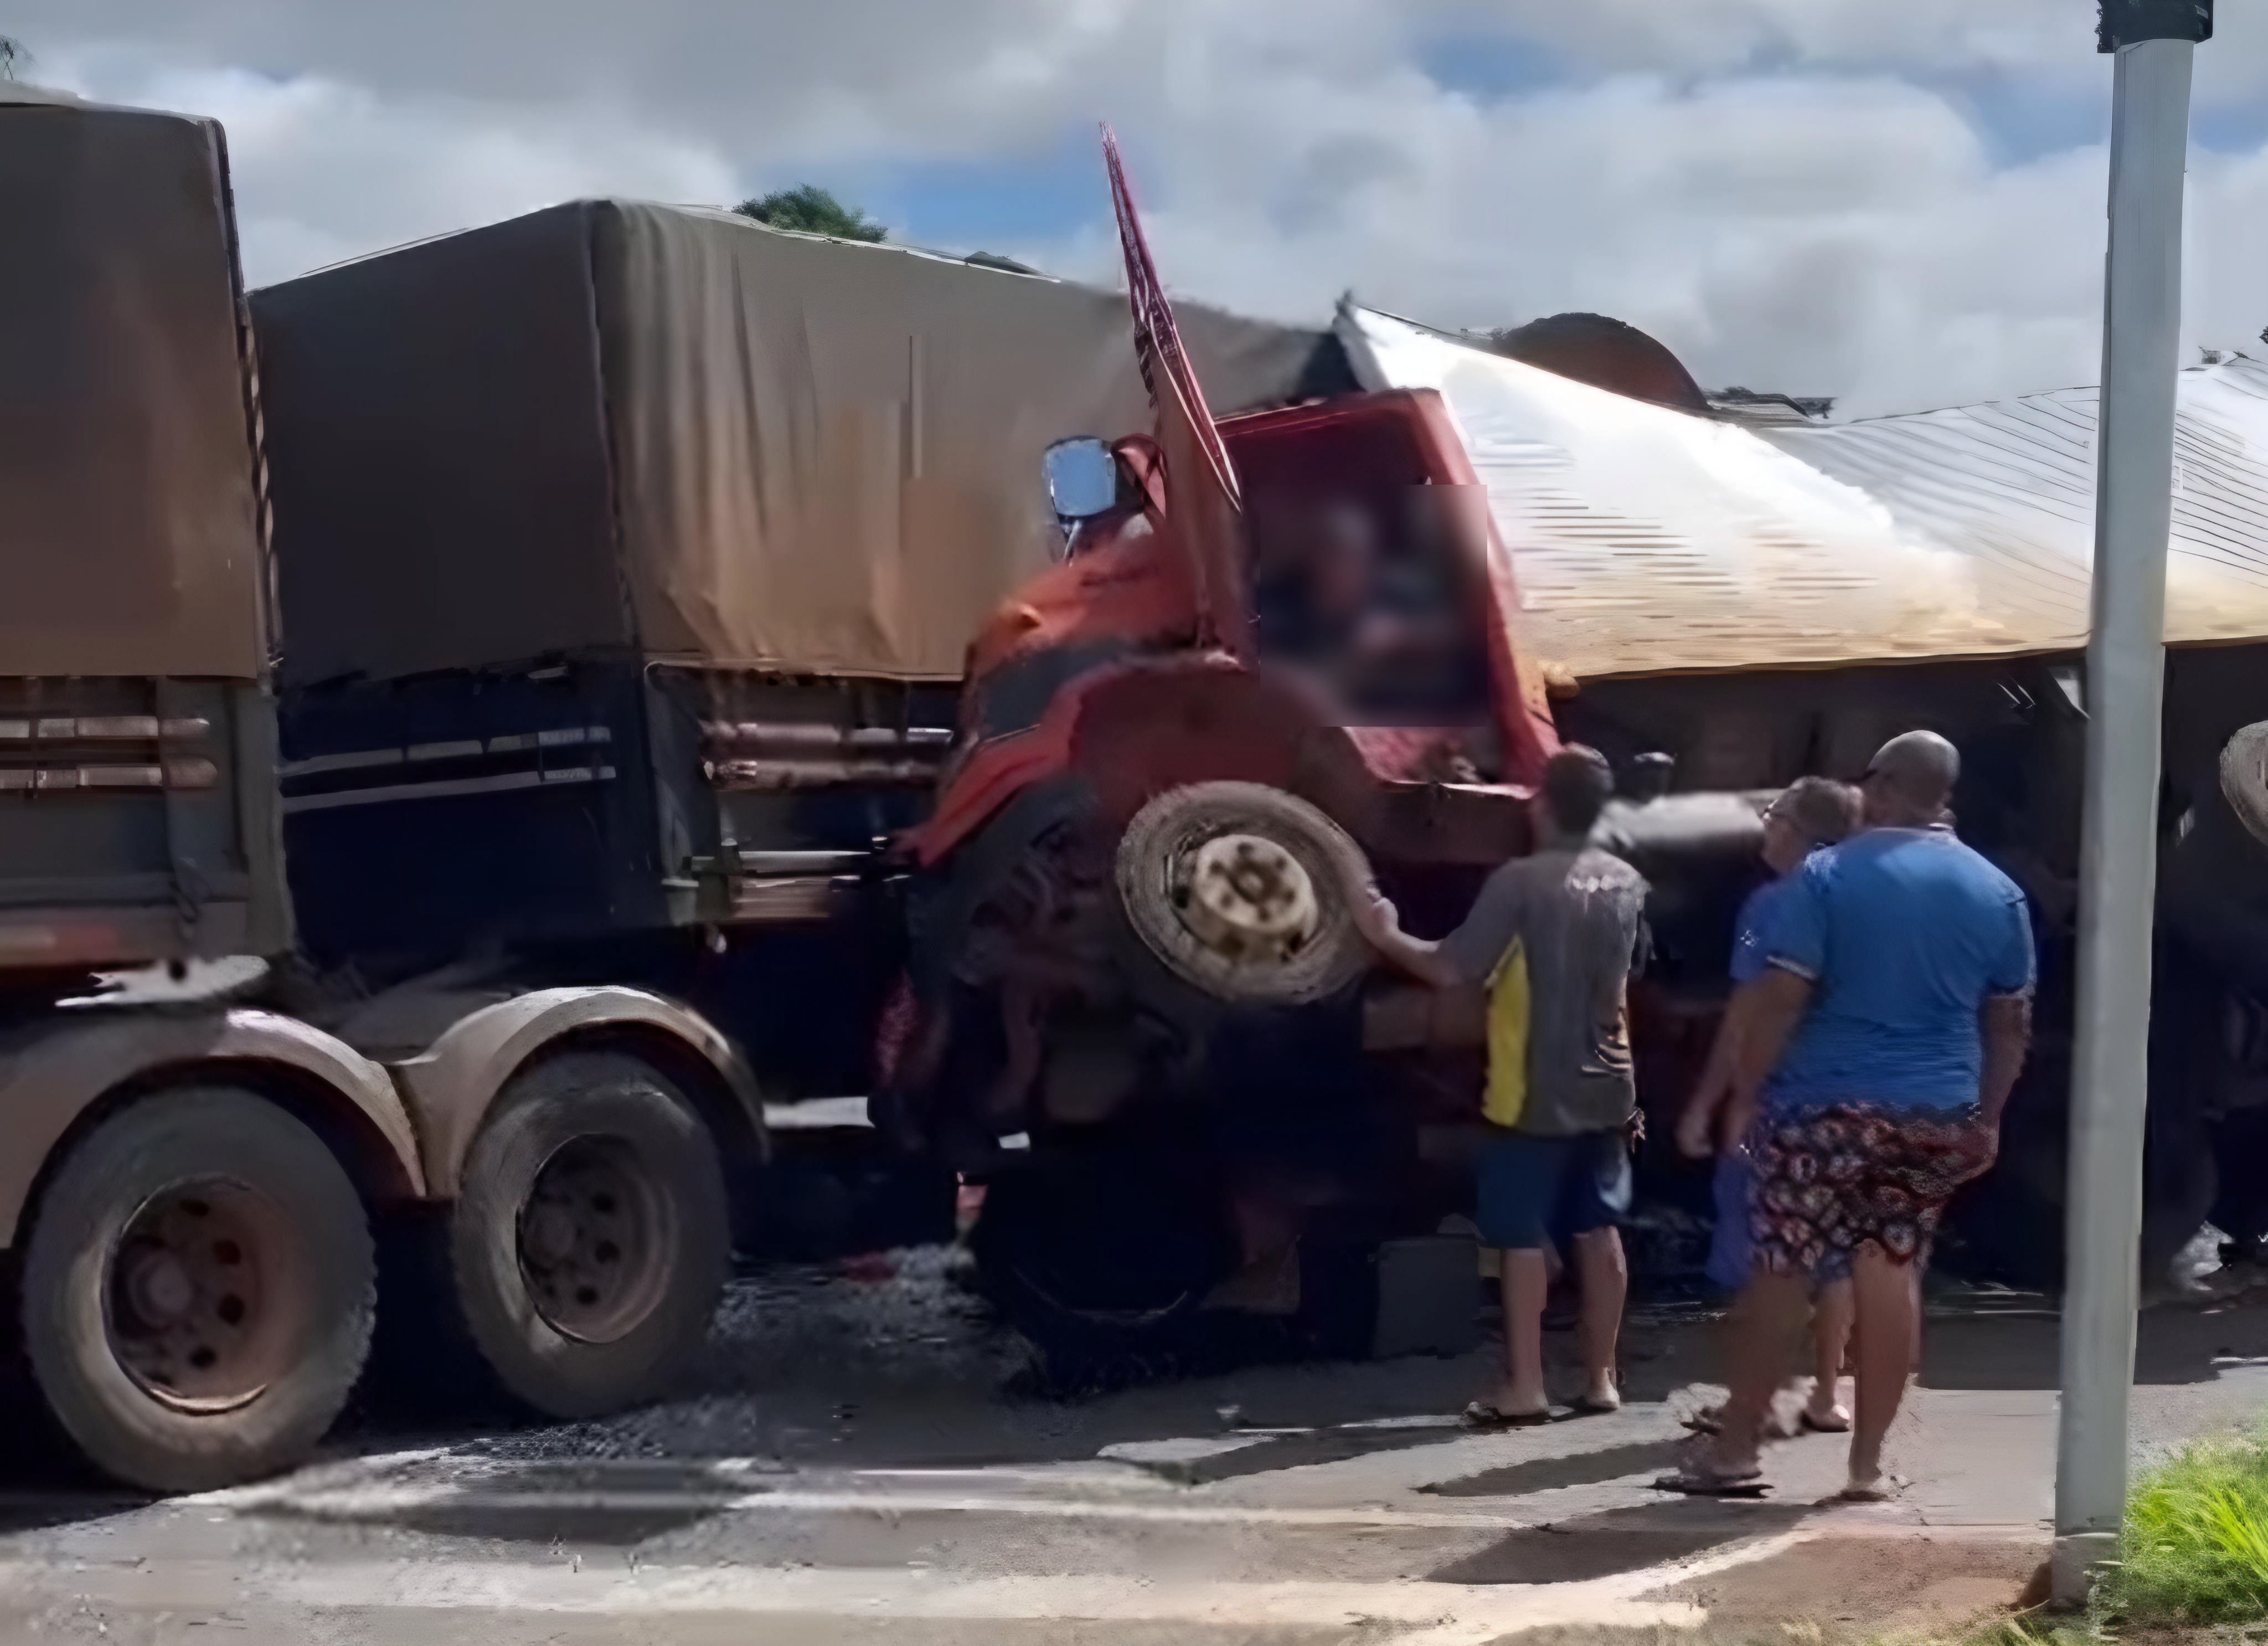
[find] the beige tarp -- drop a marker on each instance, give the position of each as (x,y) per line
(829,457)
(127,535)
(789,454)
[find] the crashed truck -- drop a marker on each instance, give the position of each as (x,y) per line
(629,560)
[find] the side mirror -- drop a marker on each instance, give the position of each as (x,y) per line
(1082,477)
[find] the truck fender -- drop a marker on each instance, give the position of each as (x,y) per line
(52,1076)
(451,1085)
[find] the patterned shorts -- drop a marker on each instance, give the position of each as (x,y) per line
(1831,1180)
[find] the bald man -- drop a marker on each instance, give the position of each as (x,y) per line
(1879,1045)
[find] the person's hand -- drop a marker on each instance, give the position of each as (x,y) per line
(1694,1140)
(1375,918)
(1735,1122)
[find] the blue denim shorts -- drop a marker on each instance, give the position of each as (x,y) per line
(1533,1189)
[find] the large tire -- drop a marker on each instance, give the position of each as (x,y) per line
(1309,870)
(1093,1264)
(2244,778)
(591,1234)
(198,1291)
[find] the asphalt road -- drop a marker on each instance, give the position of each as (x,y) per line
(859,1459)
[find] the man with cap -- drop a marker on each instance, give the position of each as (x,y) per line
(1877,1051)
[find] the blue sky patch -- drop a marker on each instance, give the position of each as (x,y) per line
(991,205)
(1490,67)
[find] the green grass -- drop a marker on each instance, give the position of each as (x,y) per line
(2196,1544)
(2193,1566)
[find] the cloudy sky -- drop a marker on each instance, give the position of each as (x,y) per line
(1898,201)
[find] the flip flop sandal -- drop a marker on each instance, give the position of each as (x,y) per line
(1588,1407)
(1487,1414)
(1882,1491)
(1705,1482)
(1814,1426)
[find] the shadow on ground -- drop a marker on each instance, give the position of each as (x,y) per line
(1618,1540)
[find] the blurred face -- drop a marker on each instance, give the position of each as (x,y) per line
(1786,847)
(1343,560)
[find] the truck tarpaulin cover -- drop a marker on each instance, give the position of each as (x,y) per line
(128,535)
(1646,540)
(620,424)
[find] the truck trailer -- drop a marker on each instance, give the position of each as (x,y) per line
(197,1191)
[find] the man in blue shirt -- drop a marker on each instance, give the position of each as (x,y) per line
(1809,814)
(1878,1050)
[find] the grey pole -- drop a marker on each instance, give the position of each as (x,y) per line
(2155,42)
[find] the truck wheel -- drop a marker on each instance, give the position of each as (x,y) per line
(591,1234)
(2244,777)
(198,1292)
(1240,890)
(1092,1265)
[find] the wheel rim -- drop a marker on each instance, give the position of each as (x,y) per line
(596,1239)
(1246,897)
(206,1297)
(1241,891)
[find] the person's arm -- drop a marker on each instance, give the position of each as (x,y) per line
(1380,925)
(1792,943)
(2008,1029)
(1468,955)
(2005,1018)
(1773,1005)
(1697,1125)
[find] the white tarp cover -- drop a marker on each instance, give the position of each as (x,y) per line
(1647,540)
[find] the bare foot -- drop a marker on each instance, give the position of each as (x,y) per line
(1601,1399)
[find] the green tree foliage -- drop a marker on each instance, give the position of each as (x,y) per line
(813,211)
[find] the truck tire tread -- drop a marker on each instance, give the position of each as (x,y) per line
(167,1140)
(583,1095)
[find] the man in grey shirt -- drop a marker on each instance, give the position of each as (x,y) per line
(1554,938)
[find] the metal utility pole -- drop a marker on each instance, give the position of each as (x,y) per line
(2155,42)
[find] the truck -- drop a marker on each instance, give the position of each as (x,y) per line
(201,1187)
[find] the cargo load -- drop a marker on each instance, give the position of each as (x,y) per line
(620,426)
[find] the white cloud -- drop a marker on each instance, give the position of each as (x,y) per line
(1792,194)
(1816,234)
(325,170)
